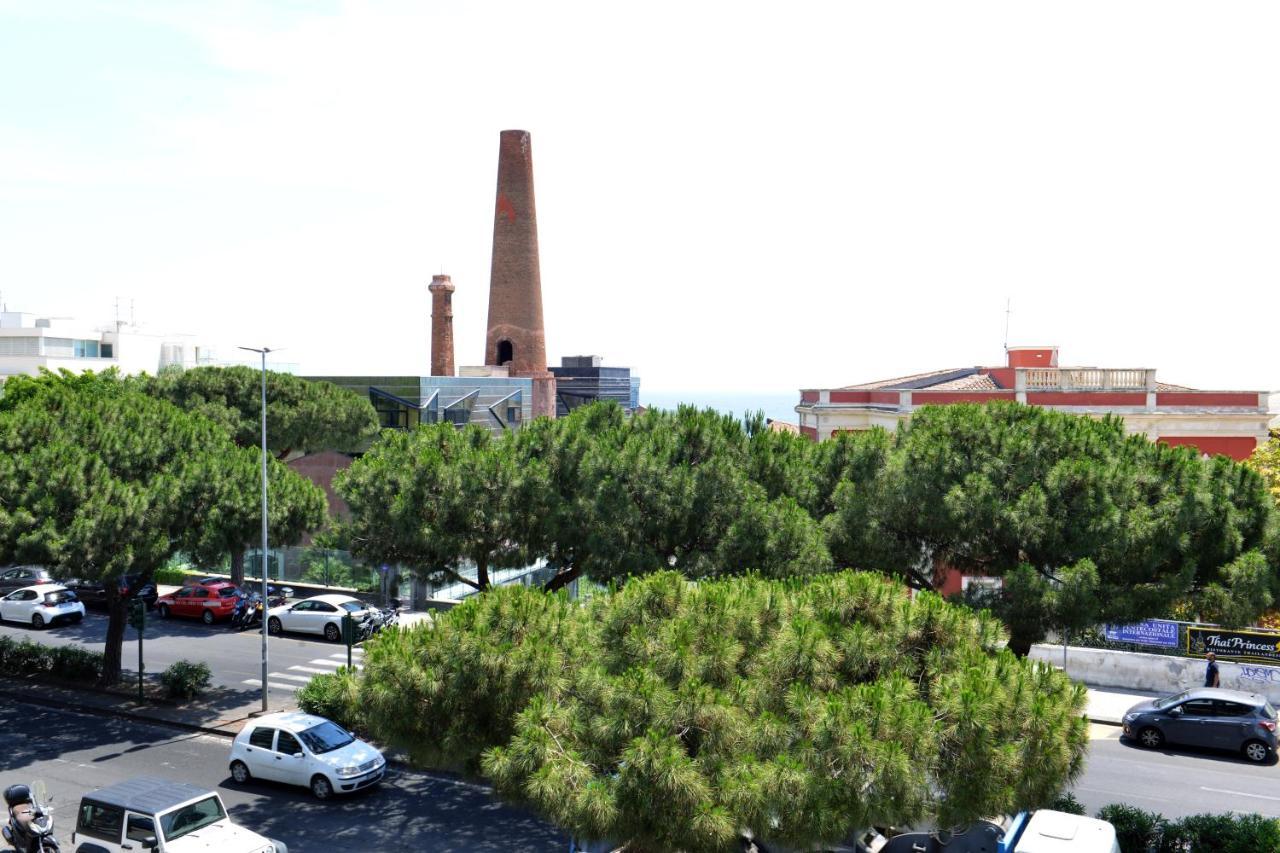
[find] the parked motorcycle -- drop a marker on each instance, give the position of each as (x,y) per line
(248,612)
(30,825)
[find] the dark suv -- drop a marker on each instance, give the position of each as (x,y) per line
(1206,716)
(92,592)
(20,577)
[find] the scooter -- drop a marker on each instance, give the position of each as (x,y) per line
(30,826)
(248,612)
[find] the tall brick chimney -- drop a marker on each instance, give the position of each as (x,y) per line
(441,288)
(515,333)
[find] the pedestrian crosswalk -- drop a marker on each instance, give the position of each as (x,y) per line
(296,677)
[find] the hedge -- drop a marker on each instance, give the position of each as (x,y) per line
(23,657)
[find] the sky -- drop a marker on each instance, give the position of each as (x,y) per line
(732,197)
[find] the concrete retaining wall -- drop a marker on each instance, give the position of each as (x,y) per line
(1156,673)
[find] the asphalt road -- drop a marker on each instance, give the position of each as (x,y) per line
(234,657)
(75,753)
(1175,781)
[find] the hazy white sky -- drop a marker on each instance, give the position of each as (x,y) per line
(731,196)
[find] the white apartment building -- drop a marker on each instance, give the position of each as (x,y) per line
(29,342)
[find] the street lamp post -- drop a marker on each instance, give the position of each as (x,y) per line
(266,600)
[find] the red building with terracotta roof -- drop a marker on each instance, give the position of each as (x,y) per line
(1232,423)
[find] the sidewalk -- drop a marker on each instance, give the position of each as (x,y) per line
(1108,704)
(219,710)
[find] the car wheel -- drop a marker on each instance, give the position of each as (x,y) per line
(75,620)
(37,621)
(239,772)
(1256,751)
(331,633)
(1151,738)
(207,617)
(273,625)
(164,611)
(320,787)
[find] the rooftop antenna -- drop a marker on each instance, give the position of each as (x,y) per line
(1008,309)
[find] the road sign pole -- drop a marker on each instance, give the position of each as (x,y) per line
(141,607)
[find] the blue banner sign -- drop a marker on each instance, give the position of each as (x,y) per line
(1153,632)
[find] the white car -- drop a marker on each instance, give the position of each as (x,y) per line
(161,815)
(301,749)
(41,605)
(320,614)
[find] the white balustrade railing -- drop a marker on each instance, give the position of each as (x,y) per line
(1085,379)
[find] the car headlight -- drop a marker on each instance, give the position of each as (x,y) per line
(348,772)
(1129,718)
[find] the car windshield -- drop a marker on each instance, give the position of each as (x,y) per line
(1171,700)
(188,819)
(228,592)
(352,606)
(59,597)
(326,737)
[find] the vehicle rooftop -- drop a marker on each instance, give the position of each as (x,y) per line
(290,721)
(149,794)
(1224,693)
(334,598)
(1056,832)
(44,587)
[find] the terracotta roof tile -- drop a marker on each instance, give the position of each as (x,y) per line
(898,381)
(977,382)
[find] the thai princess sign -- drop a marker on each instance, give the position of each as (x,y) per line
(1234,645)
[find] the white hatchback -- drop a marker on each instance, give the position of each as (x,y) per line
(302,749)
(320,614)
(41,605)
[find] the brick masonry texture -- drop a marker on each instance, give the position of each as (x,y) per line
(441,288)
(515,283)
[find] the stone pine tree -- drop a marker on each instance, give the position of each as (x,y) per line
(673,715)
(593,494)
(303,416)
(101,480)
(1004,489)
(1266,461)
(434,499)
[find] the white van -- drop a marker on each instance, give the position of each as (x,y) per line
(1058,832)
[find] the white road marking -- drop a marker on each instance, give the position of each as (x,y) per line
(1240,793)
(332,663)
(311,669)
(274,685)
(303,679)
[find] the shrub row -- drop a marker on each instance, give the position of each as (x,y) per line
(1146,832)
(1141,831)
(23,657)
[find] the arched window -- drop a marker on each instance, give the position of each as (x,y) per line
(505,352)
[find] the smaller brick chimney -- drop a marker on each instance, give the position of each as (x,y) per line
(1032,356)
(441,288)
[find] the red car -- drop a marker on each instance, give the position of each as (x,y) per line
(209,602)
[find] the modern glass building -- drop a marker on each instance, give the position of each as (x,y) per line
(582,379)
(497,403)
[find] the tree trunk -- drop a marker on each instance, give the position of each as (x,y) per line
(482,574)
(562,579)
(1020,642)
(117,616)
(237,566)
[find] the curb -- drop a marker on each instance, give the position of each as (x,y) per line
(100,711)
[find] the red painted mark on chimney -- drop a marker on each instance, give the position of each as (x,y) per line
(505,208)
